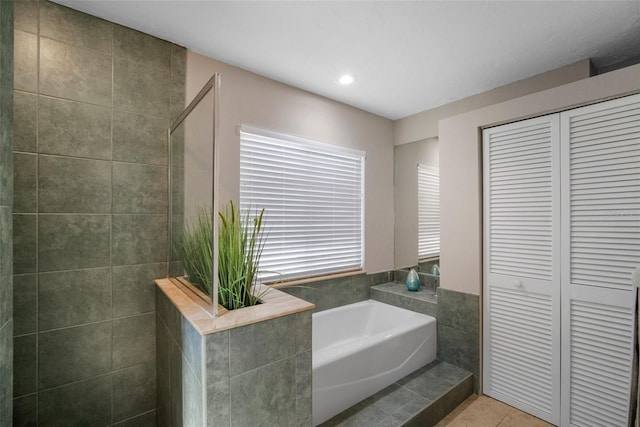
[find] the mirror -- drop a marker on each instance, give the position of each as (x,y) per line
(407,157)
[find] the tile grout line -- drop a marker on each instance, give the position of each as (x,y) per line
(37,196)
(111,214)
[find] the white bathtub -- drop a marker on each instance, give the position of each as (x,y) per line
(359,349)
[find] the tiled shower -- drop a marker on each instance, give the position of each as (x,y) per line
(93,101)
(6,200)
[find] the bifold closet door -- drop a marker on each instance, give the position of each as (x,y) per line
(601,249)
(521,327)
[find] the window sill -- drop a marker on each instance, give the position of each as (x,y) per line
(312,279)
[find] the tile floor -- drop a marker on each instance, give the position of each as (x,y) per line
(483,411)
(433,388)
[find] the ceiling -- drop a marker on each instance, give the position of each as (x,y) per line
(406,56)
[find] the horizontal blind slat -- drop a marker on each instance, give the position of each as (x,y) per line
(312,194)
(428,211)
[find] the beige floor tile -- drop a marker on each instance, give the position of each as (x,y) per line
(521,419)
(461,407)
(483,412)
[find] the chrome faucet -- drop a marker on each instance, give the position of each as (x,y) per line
(435,270)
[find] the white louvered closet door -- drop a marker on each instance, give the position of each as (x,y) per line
(521,342)
(601,249)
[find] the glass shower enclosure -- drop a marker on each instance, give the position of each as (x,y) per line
(193,204)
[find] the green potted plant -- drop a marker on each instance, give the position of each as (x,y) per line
(241,239)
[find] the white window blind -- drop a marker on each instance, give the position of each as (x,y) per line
(313,198)
(428,211)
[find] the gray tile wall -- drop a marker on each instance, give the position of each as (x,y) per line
(6,206)
(256,375)
(457,314)
(331,293)
(459,330)
(93,101)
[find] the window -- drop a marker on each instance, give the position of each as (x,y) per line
(313,198)
(428,211)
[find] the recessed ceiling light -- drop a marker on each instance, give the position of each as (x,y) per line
(347,79)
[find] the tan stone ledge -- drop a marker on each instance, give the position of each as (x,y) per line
(275,304)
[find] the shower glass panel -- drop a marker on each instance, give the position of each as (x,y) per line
(192,253)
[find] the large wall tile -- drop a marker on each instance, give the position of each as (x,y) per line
(141,89)
(134,391)
(164,397)
(72,354)
(459,348)
(70,26)
(134,340)
(73,185)
(175,385)
(25,296)
(139,188)
(24,365)
(24,243)
(25,65)
(458,310)
(252,346)
(26,16)
(192,343)
(25,411)
(6,301)
(133,288)
(67,242)
(140,47)
(24,179)
(178,77)
(139,239)
(218,404)
(74,129)
(140,139)
(6,257)
(265,397)
(70,298)
(217,354)
(303,388)
(303,331)
(25,112)
(74,73)
(169,315)
(193,399)
(6,168)
(144,420)
(85,403)
(177,146)
(6,369)
(177,190)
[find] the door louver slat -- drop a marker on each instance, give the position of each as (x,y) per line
(521,346)
(601,219)
(589,372)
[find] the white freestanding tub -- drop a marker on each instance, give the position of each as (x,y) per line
(359,349)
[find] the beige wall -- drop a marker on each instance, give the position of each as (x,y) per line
(249,99)
(461,172)
(198,158)
(424,125)
(406,159)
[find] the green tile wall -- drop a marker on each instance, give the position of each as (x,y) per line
(331,293)
(255,375)
(459,330)
(6,207)
(93,101)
